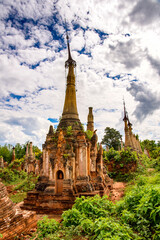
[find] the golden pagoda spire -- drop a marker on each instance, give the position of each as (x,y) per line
(70,113)
(70,60)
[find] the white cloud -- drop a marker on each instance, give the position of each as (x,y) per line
(134,56)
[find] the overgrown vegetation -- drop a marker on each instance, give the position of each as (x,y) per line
(140,208)
(69,131)
(89,134)
(12,176)
(46,227)
(18,197)
(12,173)
(20,150)
(27,184)
(121,165)
(124,156)
(136,216)
(20,180)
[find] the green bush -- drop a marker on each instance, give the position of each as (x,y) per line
(155,163)
(28,183)
(109,228)
(144,160)
(72,217)
(8,175)
(46,226)
(123,156)
(25,186)
(141,209)
(111,154)
(94,207)
(128,156)
(87,226)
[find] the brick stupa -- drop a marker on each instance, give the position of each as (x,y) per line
(13,221)
(72,163)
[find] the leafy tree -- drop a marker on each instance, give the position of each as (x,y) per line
(148,144)
(20,150)
(112,138)
(158,144)
(6,152)
(37,152)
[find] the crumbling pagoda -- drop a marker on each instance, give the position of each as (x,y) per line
(130,139)
(72,164)
(31,164)
(13,221)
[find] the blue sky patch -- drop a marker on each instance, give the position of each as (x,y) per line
(116,77)
(18,97)
(53,120)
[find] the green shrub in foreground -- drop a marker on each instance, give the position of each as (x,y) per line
(72,217)
(46,226)
(94,207)
(141,210)
(109,228)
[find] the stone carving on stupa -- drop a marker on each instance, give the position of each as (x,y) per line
(72,164)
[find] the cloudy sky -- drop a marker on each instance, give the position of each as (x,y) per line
(116,45)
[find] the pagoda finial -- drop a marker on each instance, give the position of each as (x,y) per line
(125,112)
(70,61)
(69,51)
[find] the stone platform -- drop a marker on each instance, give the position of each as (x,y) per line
(47,203)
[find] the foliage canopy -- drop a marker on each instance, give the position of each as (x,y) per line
(112,138)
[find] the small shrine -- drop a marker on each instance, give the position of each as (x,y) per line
(72,163)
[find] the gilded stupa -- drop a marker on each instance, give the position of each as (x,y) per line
(72,164)
(70,113)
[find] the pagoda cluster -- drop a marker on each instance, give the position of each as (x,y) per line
(131,140)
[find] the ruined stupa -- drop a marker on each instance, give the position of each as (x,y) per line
(31,164)
(72,163)
(130,139)
(13,220)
